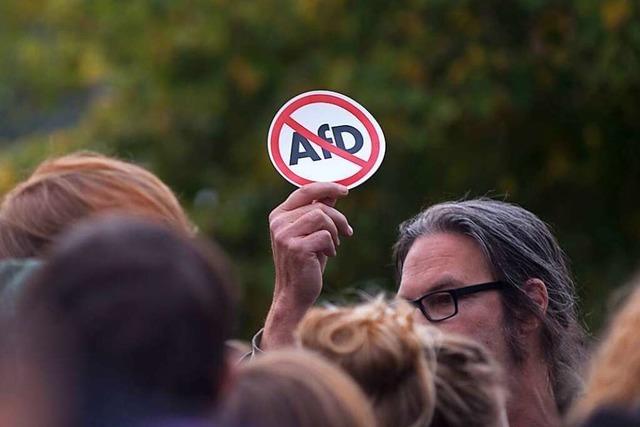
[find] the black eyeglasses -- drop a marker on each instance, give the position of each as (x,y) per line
(441,305)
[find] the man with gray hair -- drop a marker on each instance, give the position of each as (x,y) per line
(482,268)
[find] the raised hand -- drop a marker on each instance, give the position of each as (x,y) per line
(305,230)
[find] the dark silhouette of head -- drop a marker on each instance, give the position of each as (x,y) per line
(145,309)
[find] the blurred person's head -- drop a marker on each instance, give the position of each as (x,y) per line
(294,388)
(64,190)
(524,310)
(378,345)
(146,310)
(469,384)
(614,417)
(37,376)
(613,376)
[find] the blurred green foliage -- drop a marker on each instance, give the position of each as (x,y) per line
(536,101)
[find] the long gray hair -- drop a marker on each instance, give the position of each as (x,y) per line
(518,246)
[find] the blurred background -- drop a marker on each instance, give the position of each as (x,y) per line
(532,101)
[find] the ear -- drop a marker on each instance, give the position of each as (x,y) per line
(537,291)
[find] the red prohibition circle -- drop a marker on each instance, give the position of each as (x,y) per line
(279,122)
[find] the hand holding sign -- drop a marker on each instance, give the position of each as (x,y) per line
(325,143)
(304,232)
(324,136)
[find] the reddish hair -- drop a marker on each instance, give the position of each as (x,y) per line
(613,377)
(66,189)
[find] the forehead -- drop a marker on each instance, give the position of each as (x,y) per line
(442,260)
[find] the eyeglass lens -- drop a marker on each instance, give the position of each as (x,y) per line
(439,305)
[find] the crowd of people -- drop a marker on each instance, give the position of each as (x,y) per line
(114,312)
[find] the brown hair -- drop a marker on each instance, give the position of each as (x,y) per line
(63,190)
(295,388)
(469,386)
(613,377)
(377,344)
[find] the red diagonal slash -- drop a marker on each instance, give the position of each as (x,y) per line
(289,121)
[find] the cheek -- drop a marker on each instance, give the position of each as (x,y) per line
(485,312)
(481,321)
(458,325)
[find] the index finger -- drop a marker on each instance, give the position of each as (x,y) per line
(312,192)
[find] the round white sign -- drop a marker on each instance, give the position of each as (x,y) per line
(324,136)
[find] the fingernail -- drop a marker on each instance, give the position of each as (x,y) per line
(350,231)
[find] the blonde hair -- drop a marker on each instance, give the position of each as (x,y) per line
(294,388)
(377,344)
(613,377)
(470,390)
(63,190)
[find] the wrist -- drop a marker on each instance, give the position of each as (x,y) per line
(282,320)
